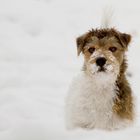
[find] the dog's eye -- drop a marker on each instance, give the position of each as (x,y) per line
(91,50)
(113,49)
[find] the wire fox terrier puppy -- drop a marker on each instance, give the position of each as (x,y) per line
(100,96)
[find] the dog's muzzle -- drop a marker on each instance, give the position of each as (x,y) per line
(101,61)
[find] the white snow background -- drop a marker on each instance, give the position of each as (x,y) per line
(38,59)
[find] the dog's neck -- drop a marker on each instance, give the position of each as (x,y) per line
(102,80)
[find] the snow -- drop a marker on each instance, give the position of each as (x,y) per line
(38,59)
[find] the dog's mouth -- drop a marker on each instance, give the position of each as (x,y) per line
(94,69)
(101,69)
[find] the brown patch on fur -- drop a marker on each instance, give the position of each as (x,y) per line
(122,38)
(123,106)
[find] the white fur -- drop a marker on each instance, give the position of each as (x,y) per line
(89,103)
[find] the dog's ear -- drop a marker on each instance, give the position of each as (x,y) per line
(80,41)
(124,39)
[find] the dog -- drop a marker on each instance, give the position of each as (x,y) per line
(100,96)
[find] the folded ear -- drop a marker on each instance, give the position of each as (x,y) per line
(125,39)
(80,41)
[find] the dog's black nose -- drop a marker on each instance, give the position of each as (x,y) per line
(100,61)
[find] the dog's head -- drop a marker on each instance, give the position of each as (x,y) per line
(103,50)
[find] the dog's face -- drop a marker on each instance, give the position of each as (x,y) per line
(103,50)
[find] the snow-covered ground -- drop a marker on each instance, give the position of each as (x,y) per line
(38,60)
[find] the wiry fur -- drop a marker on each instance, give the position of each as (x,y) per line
(101,99)
(122,38)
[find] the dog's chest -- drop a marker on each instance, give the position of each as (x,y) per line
(97,102)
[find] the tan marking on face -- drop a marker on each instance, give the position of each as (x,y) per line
(102,46)
(119,53)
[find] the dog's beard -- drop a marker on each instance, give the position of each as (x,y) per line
(108,68)
(106,74)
